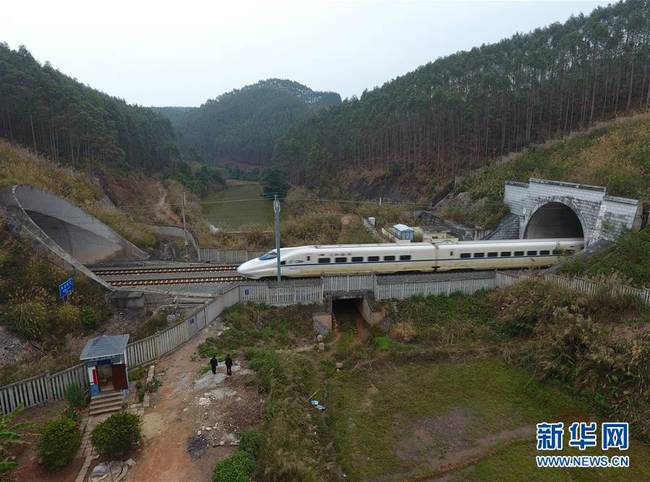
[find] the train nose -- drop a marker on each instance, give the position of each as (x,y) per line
(246,269)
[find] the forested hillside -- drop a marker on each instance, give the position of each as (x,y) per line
(461,111)
(58,117)
(243,125)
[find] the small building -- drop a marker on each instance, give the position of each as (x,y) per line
(106,363)
(403,232)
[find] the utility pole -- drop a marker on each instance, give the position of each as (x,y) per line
(276,210)
(184,227)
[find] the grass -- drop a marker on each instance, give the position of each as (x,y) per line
(252,325)
(401,405)
(516,461)
(629,258)
(375,412)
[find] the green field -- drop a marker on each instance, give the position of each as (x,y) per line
(225,210)
(470,420)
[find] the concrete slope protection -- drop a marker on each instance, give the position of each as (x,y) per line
(74,235)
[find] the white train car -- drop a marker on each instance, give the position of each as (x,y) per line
(313,261)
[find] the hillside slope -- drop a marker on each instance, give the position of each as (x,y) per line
(243,125)
(615,155)
(460,111)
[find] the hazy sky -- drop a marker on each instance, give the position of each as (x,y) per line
(183,52)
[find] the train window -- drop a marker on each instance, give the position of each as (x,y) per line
(556,252)
(373,258)
(323,260)
(308,258)
(340,260)
(465,255)
(493,254)
(544,252)
(357,259)
(405,257)
(451,253)
(269,255)
(519,253)
(531,253)
(506,253)
(479,255)
(389,258)
(282,263)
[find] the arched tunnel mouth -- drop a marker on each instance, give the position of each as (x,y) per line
(554,220)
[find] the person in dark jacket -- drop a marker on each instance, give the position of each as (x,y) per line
(228,362)
(213,364)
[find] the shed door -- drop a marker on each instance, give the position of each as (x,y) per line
(119,377)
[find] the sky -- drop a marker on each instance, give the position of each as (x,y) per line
(184,52)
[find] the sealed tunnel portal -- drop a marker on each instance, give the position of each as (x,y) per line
(554,220)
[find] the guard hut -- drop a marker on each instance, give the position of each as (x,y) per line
(105,360)
(403,232)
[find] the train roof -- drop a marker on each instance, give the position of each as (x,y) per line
(444,242)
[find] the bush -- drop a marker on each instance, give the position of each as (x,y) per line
(251,442)
(75,394)
(403,331)
(59,441)
(236,468)
(117,434)
(90,318)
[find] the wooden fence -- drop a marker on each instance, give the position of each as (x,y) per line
(46,387)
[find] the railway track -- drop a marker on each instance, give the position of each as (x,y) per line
(177,281)
(171,269)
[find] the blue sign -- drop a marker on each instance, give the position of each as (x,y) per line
(66,288)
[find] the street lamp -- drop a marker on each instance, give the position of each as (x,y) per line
(276,210)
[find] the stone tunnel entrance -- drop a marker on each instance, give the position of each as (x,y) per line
(554,220)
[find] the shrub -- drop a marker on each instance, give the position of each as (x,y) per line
(117,434)
(68,318)
(27,314)
(59,441)
(75,394)
(403,331)
(10,435)
(251,442)
(236,468)
(266,364)
(90,318)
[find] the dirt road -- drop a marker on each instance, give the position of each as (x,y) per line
(194,419)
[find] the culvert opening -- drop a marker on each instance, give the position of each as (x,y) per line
(554,220)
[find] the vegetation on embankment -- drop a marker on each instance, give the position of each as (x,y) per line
(454,375)
(31,309)
(616,155)
(628,259)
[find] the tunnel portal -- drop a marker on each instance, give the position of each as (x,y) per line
(554,220)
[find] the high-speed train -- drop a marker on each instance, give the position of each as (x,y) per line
(310,261)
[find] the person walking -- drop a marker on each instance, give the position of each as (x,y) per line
(228,362)
(213,364)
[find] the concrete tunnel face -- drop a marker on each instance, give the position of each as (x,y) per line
(74,230)
(554,220)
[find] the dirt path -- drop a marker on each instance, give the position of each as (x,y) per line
(163,210)
(194,419)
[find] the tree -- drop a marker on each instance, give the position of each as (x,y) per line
(274,182)
(10,435)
